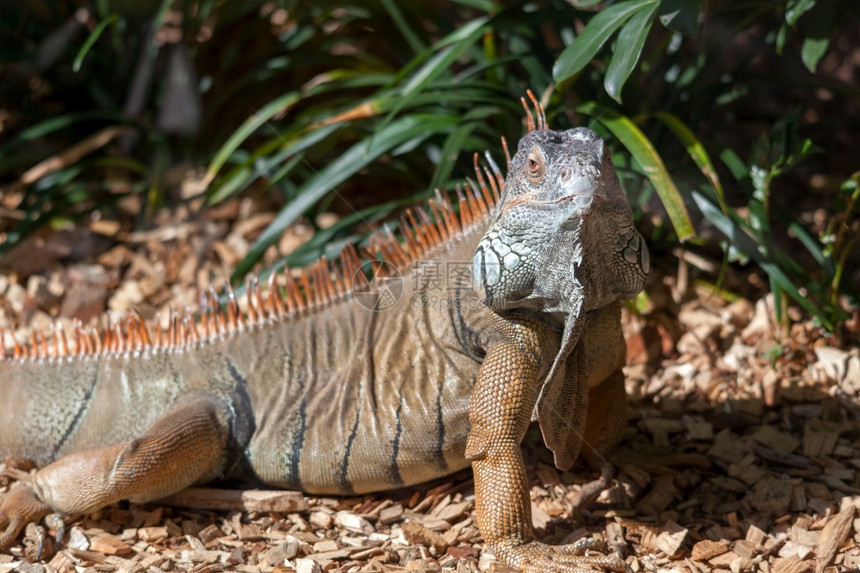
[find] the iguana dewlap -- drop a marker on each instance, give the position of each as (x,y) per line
(503,313)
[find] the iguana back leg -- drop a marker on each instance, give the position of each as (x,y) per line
(185,446)
(606,418)
(605,354)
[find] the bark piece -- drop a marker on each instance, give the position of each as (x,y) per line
(240,500)
(832,537)
(706,549)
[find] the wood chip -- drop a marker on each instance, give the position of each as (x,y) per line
(540,518)
(744,548)
(281,552)
(819,438)
(325,545)
(210,533)
(306,565)
(335,554)
(418,534)
(724,560)
(671,539)
(352,522)
(703,431)
(755,535)
(321,519)
(453,512)
(391,514)
(152,534)
(832,537)
(706,549)
(240,500)
(792,548)
(661,496)
(772,495)
(77,539)
(773,438)
(90,556)
(109,545)
(196,556)
(792,564)
(726,448)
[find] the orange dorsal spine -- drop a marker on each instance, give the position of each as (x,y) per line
(314,287)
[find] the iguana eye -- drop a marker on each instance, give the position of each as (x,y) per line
(536,166)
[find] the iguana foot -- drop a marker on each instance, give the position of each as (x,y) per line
(537,557)
(19,507)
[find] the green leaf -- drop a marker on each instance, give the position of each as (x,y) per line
(781,37)
(641,148)
(450,150)
(248,127)
(811,243)
(749,246)
(812,51)
(778,304)
(596,33)
(818,34)
(92,39)
(452,47)
(123,163)
(697,152)
(61,122)
(482,5)
(794,9)
(323,241)
(628,48)
(402,24)
(336,172)
(260,164)
(681,16)
(736,165)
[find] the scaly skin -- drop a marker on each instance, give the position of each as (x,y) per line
(342,399)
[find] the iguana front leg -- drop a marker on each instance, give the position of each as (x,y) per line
(185,446)
(501,406)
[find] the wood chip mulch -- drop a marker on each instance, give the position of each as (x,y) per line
(742,451)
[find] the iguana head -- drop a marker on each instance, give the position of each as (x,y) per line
(562,239)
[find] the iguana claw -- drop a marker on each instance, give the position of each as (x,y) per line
(537,557)
(19,507)
(57,524)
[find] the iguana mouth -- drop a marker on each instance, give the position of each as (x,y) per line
(582,200)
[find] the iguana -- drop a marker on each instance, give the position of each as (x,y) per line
(334,385)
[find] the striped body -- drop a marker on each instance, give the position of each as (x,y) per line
(343,399)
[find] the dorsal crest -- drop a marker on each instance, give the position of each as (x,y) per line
(285,295)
